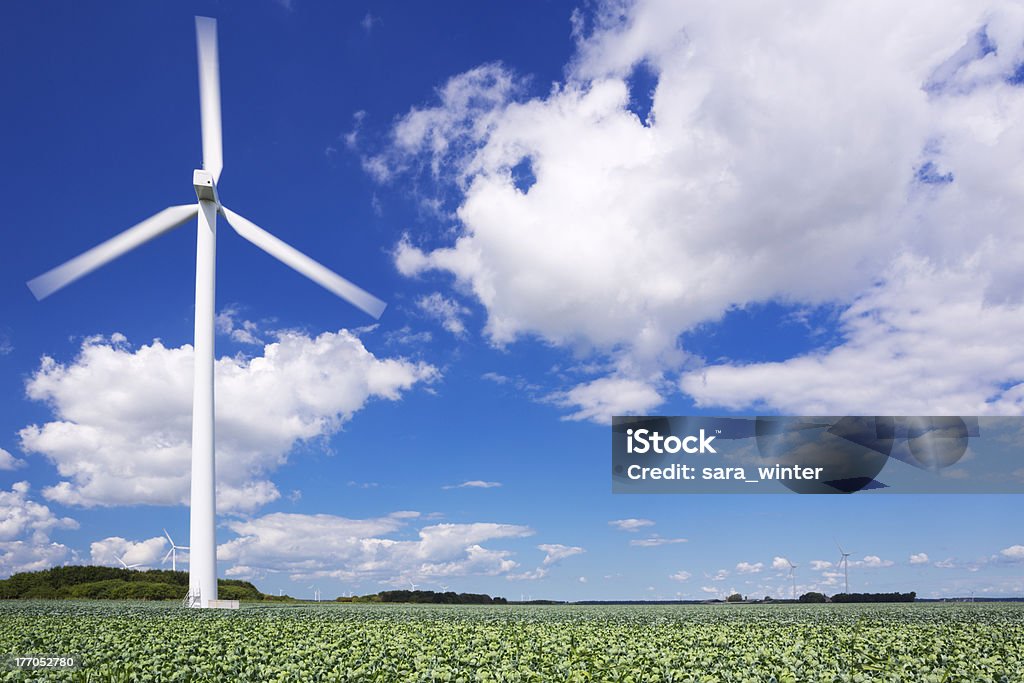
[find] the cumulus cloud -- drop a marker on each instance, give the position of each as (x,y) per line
(873,562)
(9,462)
(122,428)
(1014,552)
(655,541)
(919,558)
(474,484)
(312,546)
(680,575)
(25,528)
(446,311)
(748,568)
(894,333)
(780,563)
(242,331)
(820,565)
(631,524)
(556,552)
(847,157)
(531,575)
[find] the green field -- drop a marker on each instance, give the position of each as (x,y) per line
(346,642)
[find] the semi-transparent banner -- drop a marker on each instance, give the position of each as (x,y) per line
(700,454)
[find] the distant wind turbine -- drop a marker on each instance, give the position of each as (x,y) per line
(844,560)
(173,552)
(412,584)
(202,534)
(126,565)
(792,575)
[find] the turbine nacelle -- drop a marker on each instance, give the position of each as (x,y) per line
(205,186)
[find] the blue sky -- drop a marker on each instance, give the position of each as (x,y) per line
(574,211)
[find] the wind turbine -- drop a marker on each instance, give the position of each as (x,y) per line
(792,575)
(173,552)
(126,565)
(202,535)
(412,584)
(316,593)
(843,560)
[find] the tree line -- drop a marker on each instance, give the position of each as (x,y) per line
(111,583)
(428,597)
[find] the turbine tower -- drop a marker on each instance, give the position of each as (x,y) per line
(202,537)
(792,575)
(843,560)
(173,552)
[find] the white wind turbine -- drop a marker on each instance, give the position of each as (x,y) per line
(173,552)
(792,576)
(126,565)
(844,560)
(413,585)
(202,535)
(316,593)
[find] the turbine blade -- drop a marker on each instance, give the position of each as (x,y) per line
(319,274)
(169,537)
(167,555)
(102,254)
(209,94)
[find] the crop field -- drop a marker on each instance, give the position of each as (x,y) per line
(372,642)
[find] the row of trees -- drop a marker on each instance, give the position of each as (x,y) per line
(109,583)
(429,597)
(813,596)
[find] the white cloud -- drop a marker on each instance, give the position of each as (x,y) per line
(122,431)
(601,399)
(780,563)
(631,524)
(474,484)
(919,558)
(531,575)
(446,311)
(945,564)
(8,461)
(892,337)
(873,562)
(720,575)
(655,541)
(710,589)
(310,546)
(25,528)
(147,553)
(851,140)
(748,568)
(582,579)
(680,575)
(1014,552)
(241,331)
(819,565)
(556,552)
(21,517)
